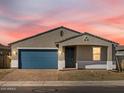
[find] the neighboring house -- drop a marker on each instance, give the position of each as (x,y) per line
(62,48)
(120,56)
(4,57)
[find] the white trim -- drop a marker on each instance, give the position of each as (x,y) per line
(96,66)
(91,61)
(76,65)
(14,63)
(61,64)
(36,48)
(109,65)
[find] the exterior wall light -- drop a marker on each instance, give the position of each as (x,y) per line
(1,52)
(10,57)
(59,52)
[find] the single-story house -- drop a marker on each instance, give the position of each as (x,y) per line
(4,57)
(62,48)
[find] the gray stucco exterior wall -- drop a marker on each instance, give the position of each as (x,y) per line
(42,41)
(85,53)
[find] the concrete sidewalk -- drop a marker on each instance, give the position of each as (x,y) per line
(61,83)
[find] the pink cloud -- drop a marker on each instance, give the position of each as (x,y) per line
(12,34)
(111,2)
(74,18)
(115,20)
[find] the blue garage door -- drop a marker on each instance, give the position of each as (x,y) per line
(38,59)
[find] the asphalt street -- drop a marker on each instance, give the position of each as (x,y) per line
(74,89)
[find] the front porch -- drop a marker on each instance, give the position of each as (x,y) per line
(84,57)
(91,52)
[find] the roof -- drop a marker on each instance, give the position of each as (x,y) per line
(85,33)
(45,33)
(4,47)
(120,48)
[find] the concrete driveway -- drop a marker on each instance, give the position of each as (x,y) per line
(31,75)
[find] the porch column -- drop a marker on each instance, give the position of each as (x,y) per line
(61,58)
(109,58)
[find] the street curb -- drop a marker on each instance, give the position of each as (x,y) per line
(61,83)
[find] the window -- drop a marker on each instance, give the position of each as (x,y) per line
(96,53)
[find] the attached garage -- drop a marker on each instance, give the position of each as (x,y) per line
(38,59)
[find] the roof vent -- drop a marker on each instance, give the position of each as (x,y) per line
(61,33)
(86,38)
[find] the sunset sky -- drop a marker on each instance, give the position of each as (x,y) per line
(23,18)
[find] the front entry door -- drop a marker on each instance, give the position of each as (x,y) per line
(70,57)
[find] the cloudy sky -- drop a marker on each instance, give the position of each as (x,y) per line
(23,18)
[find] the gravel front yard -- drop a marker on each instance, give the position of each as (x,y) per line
(90,75)
(55,75)
(31,74)
(4,72)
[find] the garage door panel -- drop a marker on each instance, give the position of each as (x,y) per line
(38,59)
